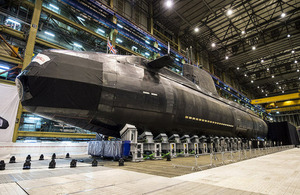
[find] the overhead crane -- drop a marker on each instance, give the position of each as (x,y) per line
(281,103)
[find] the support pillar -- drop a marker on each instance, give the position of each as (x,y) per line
(28,54)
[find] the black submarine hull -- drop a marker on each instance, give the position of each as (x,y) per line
(102,93)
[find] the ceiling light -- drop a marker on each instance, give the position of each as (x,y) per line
(261,60)
(147,42)
(4,67)
(268,69)
(49,34)
(147,54)
(80,18)
(277,112)
(288,35)
(293,51)
(169,3)
(213,45)
(257,87)
(243,32)
(177,59)
(273,76)
(13,21)
(252,81)
(276,83)
(282,91)
(253,48)
(196,29)
(100,30)
(266,94)
(226,57)
(238,68)
(262,90)
(119,25)
(53,6)
(229,12)
(245,75)
(279,87)
(159,49)
(282,15)
(296,61)
(119,40)
(297,70)
(77,45)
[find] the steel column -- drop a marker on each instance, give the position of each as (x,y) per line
(28,54)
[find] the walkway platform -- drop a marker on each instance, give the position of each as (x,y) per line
(277,173)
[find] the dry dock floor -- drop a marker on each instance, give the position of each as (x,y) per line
(277,173)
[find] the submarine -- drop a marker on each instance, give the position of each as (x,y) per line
(3,123)
(104,92)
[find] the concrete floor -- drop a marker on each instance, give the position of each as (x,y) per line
(277,173)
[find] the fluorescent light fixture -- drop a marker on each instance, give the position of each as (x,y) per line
(261,60)
(77,45)
(213,45)
(276,83)
(100,30)
(266,94)
(237,68)
(196,29)
(282,91)
(293,51)
(119,40)
(273,76)
(53,6)
(4,67)
(243,32)
(49,34)
(268,69)
(80,18)
(279,87)
(147,42)
(297,70)
(245,75)
(13,21)
(226,57)
(158,48)
(288,35)
(177,59)
(34,118)
(119,25)
(169,3)
(277,112)
(252,81)
(262,90)
(283,15)
(147,54)
(253,48)
(296,61)
(229,12)
(257,87)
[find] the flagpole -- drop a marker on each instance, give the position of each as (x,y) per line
(107,45)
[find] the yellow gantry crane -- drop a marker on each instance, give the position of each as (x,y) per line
(281,103)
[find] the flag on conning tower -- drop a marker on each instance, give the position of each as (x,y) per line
(110,47)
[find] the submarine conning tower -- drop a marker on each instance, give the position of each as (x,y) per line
(200,77)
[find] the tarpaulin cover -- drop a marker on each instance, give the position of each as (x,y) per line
(111,149)
(126,148)
(9,101)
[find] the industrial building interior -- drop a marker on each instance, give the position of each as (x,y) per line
(249,50)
